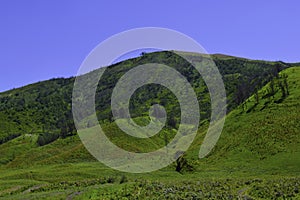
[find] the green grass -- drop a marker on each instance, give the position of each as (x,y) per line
(257,156)
(264,140)
(93,181)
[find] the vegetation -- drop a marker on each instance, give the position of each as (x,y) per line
(257,156)
(46,106)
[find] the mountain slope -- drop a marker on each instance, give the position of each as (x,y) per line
(45,108)
(262,135)
(257,156)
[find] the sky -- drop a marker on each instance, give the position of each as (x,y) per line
(40,40)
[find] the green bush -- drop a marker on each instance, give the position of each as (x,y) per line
(46,138)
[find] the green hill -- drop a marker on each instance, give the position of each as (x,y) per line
(257,156)
(45,107)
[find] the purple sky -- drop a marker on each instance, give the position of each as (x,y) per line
(50,38)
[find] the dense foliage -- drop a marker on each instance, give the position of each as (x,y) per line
(46,106)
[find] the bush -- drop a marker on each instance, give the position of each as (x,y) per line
(111,180)
(123,179)
(46,138)
(9,137)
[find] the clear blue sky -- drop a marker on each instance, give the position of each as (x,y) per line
(50,38)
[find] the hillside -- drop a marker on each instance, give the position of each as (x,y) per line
(263,134)
(257,156)
(45,107)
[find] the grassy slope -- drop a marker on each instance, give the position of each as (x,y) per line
(258,155)
(261,138)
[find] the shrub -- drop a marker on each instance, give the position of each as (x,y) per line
(46,138)
(123,179)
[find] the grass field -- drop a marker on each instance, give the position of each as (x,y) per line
(257,157)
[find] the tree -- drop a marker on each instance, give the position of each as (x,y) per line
(283,92)
(46,138)
(182,163)
(63,131)
(166,139)
(256,96)
(285,83)
(272,88)
(171,121)
(143,53)
(242,92)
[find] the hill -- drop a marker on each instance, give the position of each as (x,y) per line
(257,156)
(45,107)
